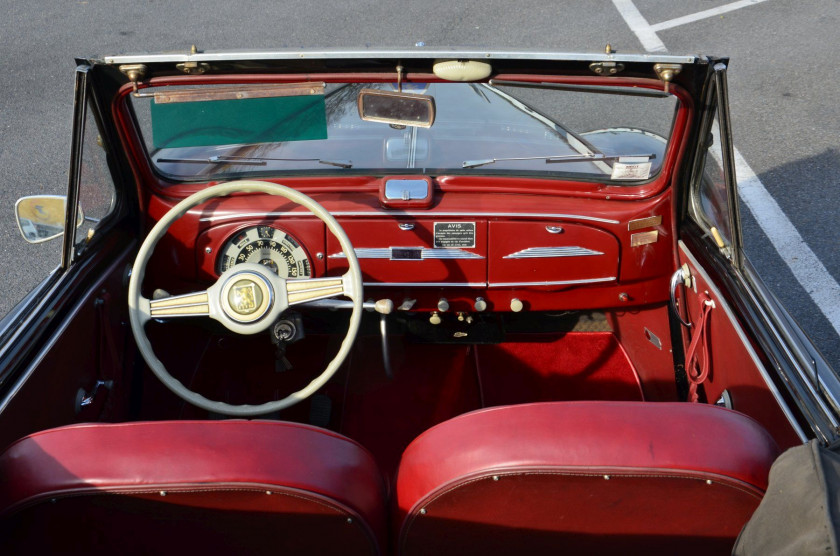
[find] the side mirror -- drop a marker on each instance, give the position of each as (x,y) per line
(41,217)
(406,109)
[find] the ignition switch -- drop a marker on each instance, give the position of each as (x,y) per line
(285,331)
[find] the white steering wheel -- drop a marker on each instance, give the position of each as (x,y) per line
(247,298)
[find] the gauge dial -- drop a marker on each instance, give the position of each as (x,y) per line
(267,246)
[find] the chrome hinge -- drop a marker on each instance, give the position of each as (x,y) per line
(667,72)
(193,68)
(606,68)
(134,72)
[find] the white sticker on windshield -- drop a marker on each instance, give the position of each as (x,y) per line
(631,168)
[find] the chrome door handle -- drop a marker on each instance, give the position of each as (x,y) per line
(682,275)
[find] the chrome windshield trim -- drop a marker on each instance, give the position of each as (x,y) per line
(429,214)
(553,252)
(417,53)
(551,283)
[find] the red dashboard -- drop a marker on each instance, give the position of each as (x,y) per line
(478,251)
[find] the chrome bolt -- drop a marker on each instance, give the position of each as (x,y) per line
(208,250)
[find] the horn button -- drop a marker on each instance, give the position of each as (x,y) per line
(246,297)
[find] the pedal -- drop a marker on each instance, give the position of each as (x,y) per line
(320,410)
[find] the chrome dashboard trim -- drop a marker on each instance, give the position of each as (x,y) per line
(485,284)
(426,284)
(425,253)
(552,283)
(429,214)
(553,252)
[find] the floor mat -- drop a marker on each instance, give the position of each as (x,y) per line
(571,366)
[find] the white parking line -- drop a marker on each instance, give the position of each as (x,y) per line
(639,25)
(806,267)
(703,15)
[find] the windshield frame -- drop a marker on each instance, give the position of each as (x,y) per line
(588,185)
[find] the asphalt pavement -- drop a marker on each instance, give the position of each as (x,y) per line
(783,89)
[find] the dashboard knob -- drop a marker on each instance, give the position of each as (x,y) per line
(435,318)
(480,304)
(516,305)
(443,305)
(384,306)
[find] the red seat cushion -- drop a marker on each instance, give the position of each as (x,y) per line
(166,487)
(583,477)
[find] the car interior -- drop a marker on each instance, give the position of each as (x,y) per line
(481,361)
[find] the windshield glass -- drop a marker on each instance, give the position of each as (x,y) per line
(218,132)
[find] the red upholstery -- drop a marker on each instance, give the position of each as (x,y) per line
(583,477)
(191,487)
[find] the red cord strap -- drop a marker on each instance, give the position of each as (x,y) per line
(697,369)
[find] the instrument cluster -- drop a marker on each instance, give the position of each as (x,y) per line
(268,246)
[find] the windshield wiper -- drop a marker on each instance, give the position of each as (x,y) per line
(557,159)
(254,160)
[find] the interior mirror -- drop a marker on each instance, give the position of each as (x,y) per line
(407,109)
(41,217)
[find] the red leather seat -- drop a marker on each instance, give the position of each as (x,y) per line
(221,487)
(583,478)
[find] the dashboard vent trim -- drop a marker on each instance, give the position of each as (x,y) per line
(553,252)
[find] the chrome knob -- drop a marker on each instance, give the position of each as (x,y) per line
(516,305)
(443,305)
(480,305)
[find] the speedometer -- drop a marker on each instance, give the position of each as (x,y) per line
(267,246)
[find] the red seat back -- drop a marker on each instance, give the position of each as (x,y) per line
(228,487)
(583,477)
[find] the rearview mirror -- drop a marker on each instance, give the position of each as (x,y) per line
(41,217)
(407,109)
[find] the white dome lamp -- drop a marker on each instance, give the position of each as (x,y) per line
(462,70)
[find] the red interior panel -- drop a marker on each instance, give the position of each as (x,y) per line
(731,365)
(551,253)
(382,235)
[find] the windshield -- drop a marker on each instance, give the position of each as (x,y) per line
(478,129)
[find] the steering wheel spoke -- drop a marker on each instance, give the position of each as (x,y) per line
(311,289)
(196,304)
